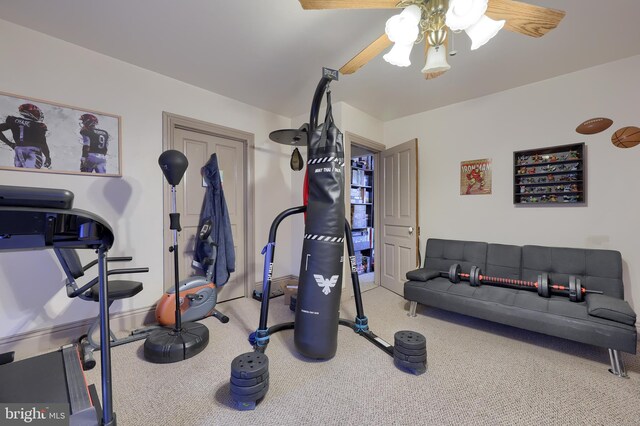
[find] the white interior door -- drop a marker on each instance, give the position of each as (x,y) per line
(398,214)
(198,148)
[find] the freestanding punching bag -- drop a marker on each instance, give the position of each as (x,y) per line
(320,285)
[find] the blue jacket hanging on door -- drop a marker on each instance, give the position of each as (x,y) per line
(215,209)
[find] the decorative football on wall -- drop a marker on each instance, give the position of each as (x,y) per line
(626,137)
(594,125)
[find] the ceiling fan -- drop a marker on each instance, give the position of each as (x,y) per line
(432,20)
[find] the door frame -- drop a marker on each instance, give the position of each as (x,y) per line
(171,122)
(376,148)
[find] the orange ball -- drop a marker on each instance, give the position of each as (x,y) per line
(626,137)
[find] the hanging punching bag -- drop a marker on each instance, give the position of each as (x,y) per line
(320,285)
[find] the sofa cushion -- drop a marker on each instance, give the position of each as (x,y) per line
(504,261)
(441,254)
(597,269)
(610,308)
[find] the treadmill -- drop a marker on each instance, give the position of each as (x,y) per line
(43,218)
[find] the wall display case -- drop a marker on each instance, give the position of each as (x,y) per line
(362,212)
(554,175)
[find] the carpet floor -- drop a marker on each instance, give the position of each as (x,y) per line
(478,373)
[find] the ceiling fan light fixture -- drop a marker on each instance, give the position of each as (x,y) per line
(399,55)
(462,14)
(436,60)
(403,31)
(483,31)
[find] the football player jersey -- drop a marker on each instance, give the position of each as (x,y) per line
(96,139)
(27,132)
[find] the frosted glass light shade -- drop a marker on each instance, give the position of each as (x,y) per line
(399,55)
(436,60)
(402,29)
(464,13)
(483,31)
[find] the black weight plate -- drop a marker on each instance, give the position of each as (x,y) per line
(572,289)
(251,398)
(420,367)
(402,349)
(249,365)
(410,358)
(478,273)
(249,382)
(578,290)
(454,273)
(413,352)
(543,285)
(474,276)
(410,339)
(409,364)
(248,390)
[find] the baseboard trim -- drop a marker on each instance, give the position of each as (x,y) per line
(47,339)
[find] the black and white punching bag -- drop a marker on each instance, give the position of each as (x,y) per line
(320,285)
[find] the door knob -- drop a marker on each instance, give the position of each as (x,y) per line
(411,230)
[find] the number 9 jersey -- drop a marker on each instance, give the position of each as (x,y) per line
(96,139)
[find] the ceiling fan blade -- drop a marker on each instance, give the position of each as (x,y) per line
(524,18)
(432,75)
(367,54)
(348,4)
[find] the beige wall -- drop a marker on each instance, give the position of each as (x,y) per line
(537,115)
(36,65)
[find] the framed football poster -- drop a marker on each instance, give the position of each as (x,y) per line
(42,136)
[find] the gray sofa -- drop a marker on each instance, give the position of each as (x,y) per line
(604,320)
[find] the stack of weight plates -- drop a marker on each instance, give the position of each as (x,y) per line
(410,351)
(249,379)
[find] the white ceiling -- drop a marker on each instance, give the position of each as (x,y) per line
(269,53)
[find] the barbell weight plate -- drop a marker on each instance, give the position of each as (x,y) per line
(543,285)
(454,273)
(249,365)
(572,289)
(578,290)
(409,340)
(474,276)
(540,289)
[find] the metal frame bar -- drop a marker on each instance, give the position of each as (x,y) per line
(360,325)
(108,416)
(617,364)
(413,306)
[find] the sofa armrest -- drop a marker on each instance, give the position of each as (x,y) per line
(422,274)
(611,308)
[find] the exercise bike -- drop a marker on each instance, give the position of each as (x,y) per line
(198,296)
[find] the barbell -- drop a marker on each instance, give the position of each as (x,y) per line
(575,291)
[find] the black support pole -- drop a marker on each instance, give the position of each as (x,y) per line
(108,416)
(268,262)
(315,104)
(354,273)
